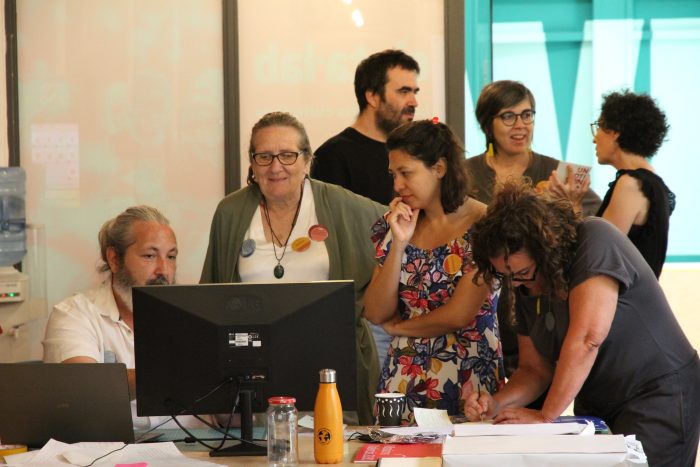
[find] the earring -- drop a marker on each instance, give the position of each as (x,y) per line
(489,151)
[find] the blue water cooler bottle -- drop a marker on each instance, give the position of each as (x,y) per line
(13,237)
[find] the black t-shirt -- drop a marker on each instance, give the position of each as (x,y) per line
(356,162)
(644,342)
(651,239)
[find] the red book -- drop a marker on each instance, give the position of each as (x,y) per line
(371,452)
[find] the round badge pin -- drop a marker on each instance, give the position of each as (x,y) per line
(248,247)
(301,244)
(318,233)
(452,264)
(549,321)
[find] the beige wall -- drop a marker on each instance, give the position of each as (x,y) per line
(302,58)
(681,283)
(120,103)
(4,149)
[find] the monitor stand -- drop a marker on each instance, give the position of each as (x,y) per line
(243,448)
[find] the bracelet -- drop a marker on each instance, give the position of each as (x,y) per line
(546,418)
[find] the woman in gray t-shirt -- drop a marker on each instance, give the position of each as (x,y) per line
(607,338)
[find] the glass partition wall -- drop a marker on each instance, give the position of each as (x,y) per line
(571,52)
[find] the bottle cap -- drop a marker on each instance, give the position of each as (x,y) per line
(327,375)
(279,400)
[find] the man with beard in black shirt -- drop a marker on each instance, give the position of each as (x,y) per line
(386,88)
(356,158)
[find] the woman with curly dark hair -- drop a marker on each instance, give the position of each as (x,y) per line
(629,132)
(505,111)
(607,338)
(446,342)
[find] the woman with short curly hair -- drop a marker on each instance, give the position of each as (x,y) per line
(505,111)
(592,323)
(628,133)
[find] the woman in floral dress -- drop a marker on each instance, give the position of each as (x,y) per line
(446,343)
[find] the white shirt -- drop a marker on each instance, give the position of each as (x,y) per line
(88,325)
(299,266)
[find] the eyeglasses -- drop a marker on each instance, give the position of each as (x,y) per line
(594,128)
(285,158)
(509,118)
(500,277)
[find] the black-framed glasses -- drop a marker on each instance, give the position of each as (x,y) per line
(509,118)
(266,158)
(594,128)
(500,277)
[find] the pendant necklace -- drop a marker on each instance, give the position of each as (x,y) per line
(279,269)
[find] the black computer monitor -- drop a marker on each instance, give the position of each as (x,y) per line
(267,339)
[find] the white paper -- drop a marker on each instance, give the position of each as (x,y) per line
(20,459)
(635,451)
(57,454)
(84,454)
(475,445)
(580,171)
(501,429)
(409,462)
(431,418)
(307,421)
(415,430)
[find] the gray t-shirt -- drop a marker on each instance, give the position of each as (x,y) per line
(645,341)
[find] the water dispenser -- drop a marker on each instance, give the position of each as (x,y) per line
(23,309)
(13,239)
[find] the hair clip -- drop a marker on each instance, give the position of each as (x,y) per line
(435,120)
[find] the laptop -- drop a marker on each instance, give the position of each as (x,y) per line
(69,402)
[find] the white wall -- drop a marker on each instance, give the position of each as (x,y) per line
(302,58)
(680,284)
(4,149)
(121,103)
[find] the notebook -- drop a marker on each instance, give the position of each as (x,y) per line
(69,402)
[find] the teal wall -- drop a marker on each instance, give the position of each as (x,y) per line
(571,52)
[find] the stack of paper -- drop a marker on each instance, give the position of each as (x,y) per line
(57,454)
(534,429)
(542,444)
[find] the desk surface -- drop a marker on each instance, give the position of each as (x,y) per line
(306,455)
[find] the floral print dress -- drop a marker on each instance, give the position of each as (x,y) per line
(432,371)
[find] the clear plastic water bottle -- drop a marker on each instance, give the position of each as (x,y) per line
(282,444)
(13,238)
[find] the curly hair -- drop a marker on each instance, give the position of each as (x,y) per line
(518,219)
(429,142)
(639,121)
(497,96)
(278,119)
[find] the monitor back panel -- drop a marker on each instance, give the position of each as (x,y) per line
(67,402)
(269,338)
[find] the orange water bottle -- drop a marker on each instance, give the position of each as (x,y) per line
(328,421)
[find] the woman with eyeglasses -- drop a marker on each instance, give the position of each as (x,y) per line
(607,339)
(286,227)
(506,113)
(445,330)
(628,133)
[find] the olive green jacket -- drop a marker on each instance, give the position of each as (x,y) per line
(348,218)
